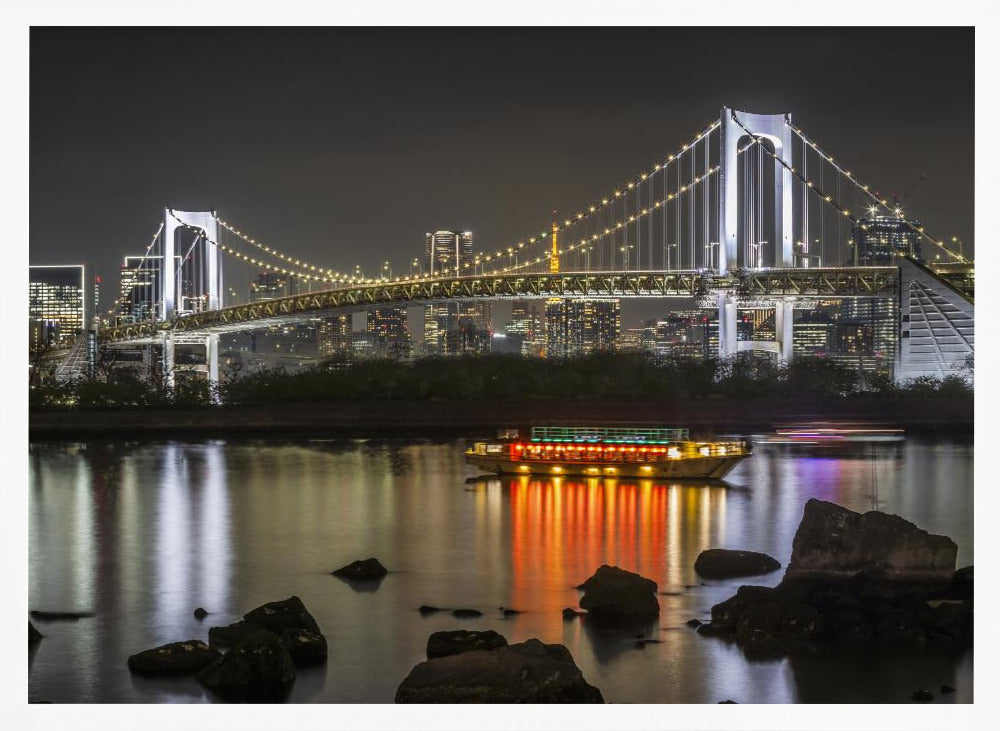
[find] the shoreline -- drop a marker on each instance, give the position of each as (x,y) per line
(483,418)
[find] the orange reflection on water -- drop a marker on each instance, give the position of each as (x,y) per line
(563,529)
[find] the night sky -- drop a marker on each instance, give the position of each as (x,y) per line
(344,146)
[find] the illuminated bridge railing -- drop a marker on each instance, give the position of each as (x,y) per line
(762,283)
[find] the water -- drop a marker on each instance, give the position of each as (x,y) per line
(142,533)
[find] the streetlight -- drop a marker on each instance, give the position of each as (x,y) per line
(414,267)
(961,246)
(585,250)
(668,248)
(386,270)
(625,249)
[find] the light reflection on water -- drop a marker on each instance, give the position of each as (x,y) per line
(142,534)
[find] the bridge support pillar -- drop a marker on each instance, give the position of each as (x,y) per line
(783,326)
(212,360)
(168,360)
(727,325)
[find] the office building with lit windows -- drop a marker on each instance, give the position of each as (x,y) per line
(581,326)
(454,328)
(58,306)
(388,332)
(878,240)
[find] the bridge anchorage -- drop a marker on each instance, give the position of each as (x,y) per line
(749,214)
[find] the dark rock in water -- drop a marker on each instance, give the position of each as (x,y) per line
(428,609)
(230,634)
(922,695)
(613,595)
(712,630)
(725,701)
(694,623)
(288,619)
(528,672)
(176,658)
(570,613)
(258,669)
(466,613)
(60,616)
(961,583)
(834,542)
(369,568)
(511,612)
(304,647)
(720,563)
(33,634)
(200,613)
(640,645)
(443,644)
(945,689)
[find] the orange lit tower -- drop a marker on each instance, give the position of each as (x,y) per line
(554,258)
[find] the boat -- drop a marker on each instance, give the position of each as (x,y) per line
(608,452)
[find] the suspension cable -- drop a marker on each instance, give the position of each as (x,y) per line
(152,242)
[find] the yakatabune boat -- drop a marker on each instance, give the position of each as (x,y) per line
(608,452)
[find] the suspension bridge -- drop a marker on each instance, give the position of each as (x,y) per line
(750,213)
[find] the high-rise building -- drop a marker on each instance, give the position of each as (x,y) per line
(527,327)
(140,288)
(269,285)
(880,239)
(388,331)
(335,335)
(447,252)
(58,306)
(581,326)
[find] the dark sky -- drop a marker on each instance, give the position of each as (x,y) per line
(345,145)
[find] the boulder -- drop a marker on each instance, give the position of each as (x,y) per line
(277,617)
(694,623)
(369,568)
(230,634)
(466,613)
(60,616)
(922,695)
(528,672)
(200,613)
(428,609)
(257,669)
(443,644)
(721,563)
(33,634)
(834,542)
(304,647)
(613,595)
(176,658)
(510,612)
(961,583)
(570,613)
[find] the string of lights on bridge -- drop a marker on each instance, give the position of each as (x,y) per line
(306,270)
(866,190)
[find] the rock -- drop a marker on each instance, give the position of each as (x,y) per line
(428,609)
(725,701)
(570,613)
(200,613)
(945,689)
(613,595)
(510,612)
(832,541)
(721,563)
(922,695)
(176,658)
(443,644)
(694,623)
(369,568)
(277,617)
(712,630)
(304,647)
(528,672)
(466,613)
(60,616)
(231,634)
(259,669)
(33,634)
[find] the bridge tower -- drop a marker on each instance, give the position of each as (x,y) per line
(777,129)
(206,259)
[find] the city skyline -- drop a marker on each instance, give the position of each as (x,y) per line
(326,169)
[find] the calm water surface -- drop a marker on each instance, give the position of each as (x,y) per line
(142,533)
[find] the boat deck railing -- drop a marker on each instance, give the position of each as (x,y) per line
(607,434)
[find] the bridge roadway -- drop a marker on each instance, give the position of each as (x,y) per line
(763,284)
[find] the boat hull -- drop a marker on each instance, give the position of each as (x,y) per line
(709,468)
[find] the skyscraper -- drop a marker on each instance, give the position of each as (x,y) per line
(880,239)
(527,327)
(454,328)
(335,335)
(58,307)
(388,331)
(581,326)
(140,288)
